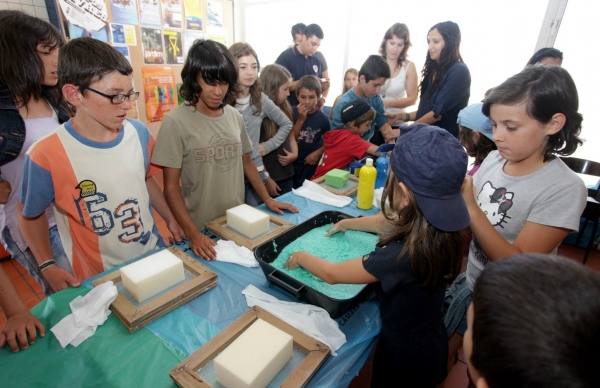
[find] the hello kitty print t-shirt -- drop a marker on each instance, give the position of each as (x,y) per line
(554,196)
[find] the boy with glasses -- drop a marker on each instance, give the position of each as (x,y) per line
(95,169)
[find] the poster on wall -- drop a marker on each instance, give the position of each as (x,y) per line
(152,46)
(124,11)
(171,11)
(133,113)
(188,40)
(85,18)
(125,51)
(150,13)
(218,34)
(159,91)
(173,47)
(123,34)
(215,13)
(193,14)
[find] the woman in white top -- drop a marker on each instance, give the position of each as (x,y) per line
(402,89)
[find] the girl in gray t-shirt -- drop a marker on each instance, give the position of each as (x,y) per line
(523,198)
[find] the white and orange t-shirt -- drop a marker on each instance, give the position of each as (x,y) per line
(99,193)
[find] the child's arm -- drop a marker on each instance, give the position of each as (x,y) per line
(389,133)
(20,322)
(497,247)
(35,232)
(348,272)
(283,123)
(313,157)
(201,245)
(291,155)
(333,107)
(371,150)
(373,224)
(5,190)
(159,203)
(251,173)
(302,113)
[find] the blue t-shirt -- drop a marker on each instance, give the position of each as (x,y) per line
(451,96)
(299,66)
(375,102)
(311,134)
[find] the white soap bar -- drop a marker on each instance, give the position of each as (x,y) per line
(255,357)
(151,275)
(248,220)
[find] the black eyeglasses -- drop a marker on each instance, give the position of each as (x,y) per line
(115,98)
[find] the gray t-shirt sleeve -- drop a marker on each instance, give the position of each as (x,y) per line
(278,117)
(169,149)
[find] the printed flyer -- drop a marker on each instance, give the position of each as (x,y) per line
(173,47)
(85,18)
(150,13)
(159,91)
(171,10)
(124,11)
(193,14)
(215,13)
(152,46)
(123,34)
(218,34)
(188,40)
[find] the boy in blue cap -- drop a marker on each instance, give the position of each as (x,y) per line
(475,134)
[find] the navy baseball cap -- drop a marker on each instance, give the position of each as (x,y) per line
(473,118)
(432,164)
(353,110)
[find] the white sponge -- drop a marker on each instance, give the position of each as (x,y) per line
(248,220)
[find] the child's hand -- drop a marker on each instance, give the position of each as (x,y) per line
(338,227)
(4,191)
(302,112)
(278,207)
(313,158)
(262,149)
(59,278)
(325,84)
(177,232)
(288,158)
(392,117)
(272,187)
(17,327)
(292,261)
(202,246)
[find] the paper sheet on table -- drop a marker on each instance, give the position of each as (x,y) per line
(313,191)
(311,320)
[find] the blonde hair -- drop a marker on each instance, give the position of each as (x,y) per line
(350,70)
(272,77)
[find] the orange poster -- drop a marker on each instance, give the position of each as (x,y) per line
(160,91)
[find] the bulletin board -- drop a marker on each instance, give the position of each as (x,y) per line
(154,35)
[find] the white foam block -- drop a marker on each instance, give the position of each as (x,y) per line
(255,357)
(248,220)
(151,275)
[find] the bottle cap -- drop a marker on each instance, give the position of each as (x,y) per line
(369,162)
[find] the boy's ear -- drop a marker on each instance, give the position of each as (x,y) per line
(361,79)
(557,122)
(71,94)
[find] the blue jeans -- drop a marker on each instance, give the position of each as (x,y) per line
(285,185)
(456,302)
(251,197)
(27,260)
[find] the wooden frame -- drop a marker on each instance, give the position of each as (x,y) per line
(217,227)
(185,376)
(348,192)
(135,318)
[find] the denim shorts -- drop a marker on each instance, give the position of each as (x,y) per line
(251,197)
(456,303)
(27,260)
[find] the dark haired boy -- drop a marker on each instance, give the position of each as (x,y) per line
(345,145)
(310,124)
(300,61)
(203,144)
(372,75)
(534,322)
(95,169)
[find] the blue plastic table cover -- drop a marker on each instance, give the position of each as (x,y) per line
(190,326)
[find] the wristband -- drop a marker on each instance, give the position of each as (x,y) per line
(407,117)
(45,265)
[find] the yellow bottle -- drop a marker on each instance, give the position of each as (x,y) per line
(366,185)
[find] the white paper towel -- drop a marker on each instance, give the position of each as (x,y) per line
(230,252)
(88,312)
(312,190)
(309,319)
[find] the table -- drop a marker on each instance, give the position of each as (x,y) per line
(113,357)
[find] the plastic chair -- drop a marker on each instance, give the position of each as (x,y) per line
(592,209)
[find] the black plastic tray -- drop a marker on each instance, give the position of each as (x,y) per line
(265,254)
